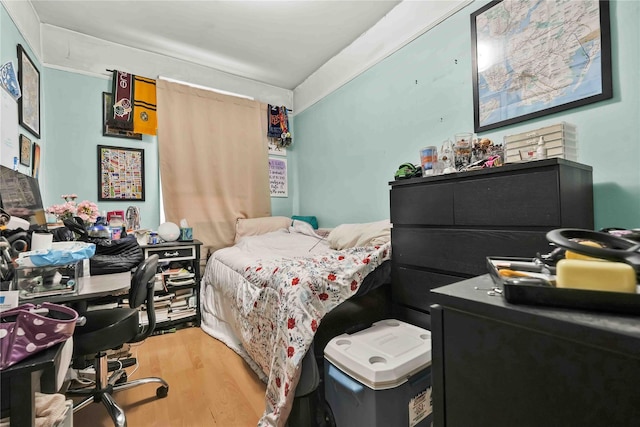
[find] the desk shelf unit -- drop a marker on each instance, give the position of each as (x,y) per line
(176,305)
(445,226)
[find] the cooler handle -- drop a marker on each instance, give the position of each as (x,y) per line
(345,381)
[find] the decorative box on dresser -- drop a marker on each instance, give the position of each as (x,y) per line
(445,226)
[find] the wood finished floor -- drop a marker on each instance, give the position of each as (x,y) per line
(209,385)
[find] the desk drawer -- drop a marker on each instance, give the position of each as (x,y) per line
(172,253)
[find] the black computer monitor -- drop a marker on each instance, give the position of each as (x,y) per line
(20,196)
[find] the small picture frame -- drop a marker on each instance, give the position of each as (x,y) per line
(25,150)
(107,107)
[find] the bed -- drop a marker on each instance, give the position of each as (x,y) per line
(266,295)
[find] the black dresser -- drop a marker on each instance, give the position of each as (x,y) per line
(497,364)
(445,226)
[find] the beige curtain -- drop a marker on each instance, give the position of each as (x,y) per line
(213,160)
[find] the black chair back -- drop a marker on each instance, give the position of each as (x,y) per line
(141,292)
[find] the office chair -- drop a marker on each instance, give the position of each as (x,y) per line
(111,329)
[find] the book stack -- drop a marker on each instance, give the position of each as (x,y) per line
(183,304)
(178,277)
(161,306)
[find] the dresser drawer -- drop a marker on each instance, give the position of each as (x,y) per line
(526,199)
(422,204)
(172,253)
(462,251)
(412,287)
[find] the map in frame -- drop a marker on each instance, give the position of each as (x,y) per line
(533,58)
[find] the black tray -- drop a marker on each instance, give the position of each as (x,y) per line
(612,302)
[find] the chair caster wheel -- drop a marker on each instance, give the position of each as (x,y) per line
(162,392)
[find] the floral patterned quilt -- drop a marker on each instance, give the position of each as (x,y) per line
(277,302)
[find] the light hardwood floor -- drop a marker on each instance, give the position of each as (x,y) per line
(209,385)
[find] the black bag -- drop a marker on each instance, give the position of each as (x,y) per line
(112,256)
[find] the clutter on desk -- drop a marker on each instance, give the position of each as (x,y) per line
(132,218)
(587,269)
(111,255)
(28,329)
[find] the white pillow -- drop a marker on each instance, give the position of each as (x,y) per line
(366,234)
(257,226)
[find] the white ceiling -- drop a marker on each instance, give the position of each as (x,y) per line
(280,43)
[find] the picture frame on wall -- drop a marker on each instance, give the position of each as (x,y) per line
(534,59)
(35,161)
(120,174)
(107,130)
(29,102)
(25,150)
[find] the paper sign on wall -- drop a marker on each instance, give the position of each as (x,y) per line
(278,177)
(275,149)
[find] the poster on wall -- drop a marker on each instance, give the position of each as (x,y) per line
(278,177)
(120,173)
(9,149)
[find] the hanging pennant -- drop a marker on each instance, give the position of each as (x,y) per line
(122,117)
(144,106)
(273,118)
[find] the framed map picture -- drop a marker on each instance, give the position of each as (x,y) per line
(531,59)
(29,102)
(120,173)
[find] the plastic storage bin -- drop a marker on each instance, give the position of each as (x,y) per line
(380,376)
(37,282)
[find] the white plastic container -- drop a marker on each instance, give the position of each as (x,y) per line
(380,376)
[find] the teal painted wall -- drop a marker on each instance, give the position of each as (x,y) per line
(350,143)
(74,130)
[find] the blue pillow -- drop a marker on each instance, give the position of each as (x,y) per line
(310,219)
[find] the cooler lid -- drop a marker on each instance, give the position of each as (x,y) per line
(382,356)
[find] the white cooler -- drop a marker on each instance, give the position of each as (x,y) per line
(380,376)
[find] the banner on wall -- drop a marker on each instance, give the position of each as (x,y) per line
(278,177)
(9,80)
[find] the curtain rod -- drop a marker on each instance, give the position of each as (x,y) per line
(224,92)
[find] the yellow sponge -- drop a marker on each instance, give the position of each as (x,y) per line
(574,255)
(595,275)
